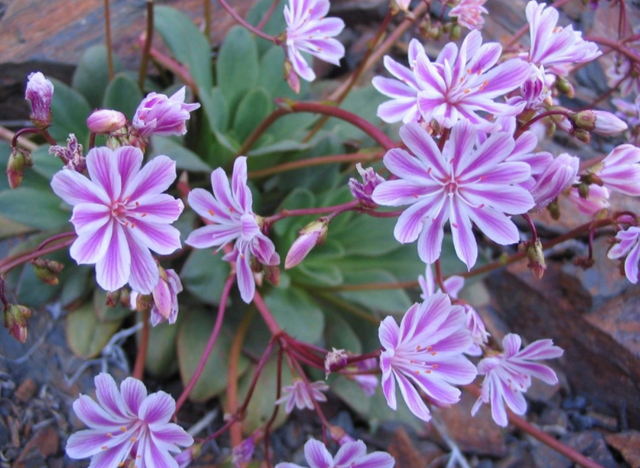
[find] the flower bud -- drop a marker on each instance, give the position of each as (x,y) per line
(536,264)
(600,122)
(47,270)
(334,361)
(565,87)
(106,121)
(14,318)
(311,235)
(272,274)
(363,190)
(582,135)
(39,93)
(162,295)
(557,176)
(243,452)
(19,160)
(293,80)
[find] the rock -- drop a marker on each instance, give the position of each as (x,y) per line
(404,452)
(477,435)
(546,457)
(601,359)
(43,444)
(518,456)
(26,390)
(592,445)
(628,444)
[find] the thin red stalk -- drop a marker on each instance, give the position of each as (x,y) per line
(24,131)
(291,107)
(207,19)
(256,375)
(276,408)
(8,135)
(532,226)
(265,19)
(232,379)
(141,358)
(316,405)
(311,211)
(580,230)
(527,125)
(383,214)
(220,431)
(308,346)
(439,278)
(615,45)
(268,318)
(310,162)
(363,357)
(107,27)
(174,67)
(9,263)
(543,437)
(55,238)
(305,360)
(244,24)
(303,351)
(212,341)
(146,51)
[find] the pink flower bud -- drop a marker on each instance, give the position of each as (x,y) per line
(599,122)
(19,161)
(106,121)
(160,115)
(595,199)
(243,453)
(14,318)
(537,263)
(293,80)
(311,235)
(39,93)
(363,190)
(556,177)
(334,361)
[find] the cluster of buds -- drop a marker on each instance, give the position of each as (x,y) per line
(535,255)
(14,318)
(47,270)
(19,160)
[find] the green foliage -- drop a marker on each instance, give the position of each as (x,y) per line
(187,44)
(91,78)
(86,334)
(203,275)
(296,313)
(237,66)
(70,110)
(33,207)
(162,358)
(123,95)
(193,335)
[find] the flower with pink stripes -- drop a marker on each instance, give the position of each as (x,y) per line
(120,214)
(556,48)
(620,170)
(508,375)
(302,395)
(467,182)
(628,246)
(351,455)
(469,13)
(462,82)
(309,31)
(426,352)
(127,425)
(160,115)
(231,218)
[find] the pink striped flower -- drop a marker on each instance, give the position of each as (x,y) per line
(120,214)
(597,199)
(309,31)
(558,175)
(165,298)
(462,82)
(629,247)
(403,90)
(556,48)
(351,455)
(426,352)
(508,375)
(620,170)
(231,216)
(465,183)
(469,13)
(302,395)
(127,425)
(454,285)
(160,115)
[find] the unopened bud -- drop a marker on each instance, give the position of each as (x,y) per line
(293,80)
(600,122)
(162,295)
(14,318)
(582,135)
(47,270)
(536,264)
(565,87)
(39,93)
(312,234)
(334,361)
(272,274)
(19,160)
(455,33)
(106,121)
(140,302)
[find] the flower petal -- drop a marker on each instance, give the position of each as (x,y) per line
(102,167)
(155,177)
(317,455)
(144,270)
(74,188)
(91,247)
(113,270)
(157,408)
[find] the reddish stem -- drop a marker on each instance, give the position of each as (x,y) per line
(174,67)
(268,318)
(212,341)
(265,19)
(246,25)
(232,375)
(107,28)
(332,210)
(276,408)
(146,50)
(615,45)
(9,263)
(527,125)
(141,358)
(318,161)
